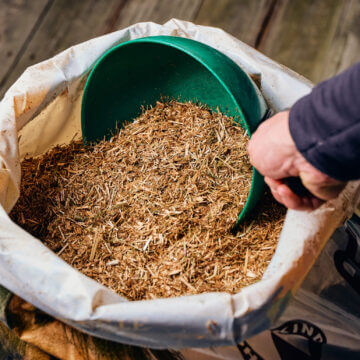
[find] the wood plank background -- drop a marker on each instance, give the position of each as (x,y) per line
(317,38)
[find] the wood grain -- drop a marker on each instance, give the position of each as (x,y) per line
(301,35)
(241,18)
(158,11)
(344,49)
(317,38)
(17,20)
(67,23)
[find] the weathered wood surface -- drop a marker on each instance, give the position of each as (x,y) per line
(66,23)
(310,36)
(241,18)
(344,49)
(317,38)
(18,20)
(69,22)
(158,11)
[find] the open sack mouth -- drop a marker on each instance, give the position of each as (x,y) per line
(152,211)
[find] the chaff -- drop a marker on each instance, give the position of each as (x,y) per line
(149,213)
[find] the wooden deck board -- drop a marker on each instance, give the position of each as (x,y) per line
(301,35)
(158,11)
(17,21)
(241,18)
(67,23)
(317,38)
(70,22)
(344,49)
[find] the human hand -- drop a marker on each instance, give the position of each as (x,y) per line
(273,153)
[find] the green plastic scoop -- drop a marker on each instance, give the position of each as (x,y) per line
(142,71)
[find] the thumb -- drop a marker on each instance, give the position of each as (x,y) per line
(322,186)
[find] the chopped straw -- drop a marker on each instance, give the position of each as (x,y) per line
(149,213)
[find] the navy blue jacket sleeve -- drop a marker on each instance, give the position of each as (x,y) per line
(325,125)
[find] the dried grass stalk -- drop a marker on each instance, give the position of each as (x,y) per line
(149,212)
